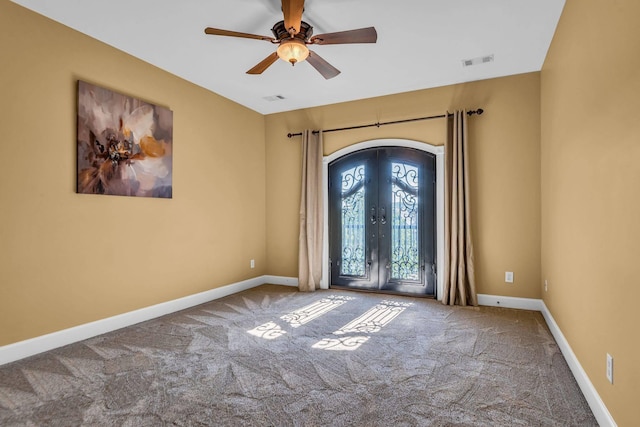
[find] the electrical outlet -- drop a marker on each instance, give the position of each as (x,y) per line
(610,368)
(508,276)
(546,285)
(253,263)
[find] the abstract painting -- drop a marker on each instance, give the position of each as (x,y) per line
(125,145)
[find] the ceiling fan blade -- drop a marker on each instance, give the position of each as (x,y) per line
(264,64)
(327,70)
(362,35)
(218,32)
(292,10)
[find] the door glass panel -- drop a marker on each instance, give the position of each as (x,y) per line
(353,222)
(405,236)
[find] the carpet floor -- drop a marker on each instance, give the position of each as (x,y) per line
(272,356)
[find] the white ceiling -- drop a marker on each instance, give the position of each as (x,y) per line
(421,43)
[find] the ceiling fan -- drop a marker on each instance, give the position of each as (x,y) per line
(293,35)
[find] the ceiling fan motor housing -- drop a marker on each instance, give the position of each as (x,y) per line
(280,32)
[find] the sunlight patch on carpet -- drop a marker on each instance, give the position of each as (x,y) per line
(313,311)
(372,321)
(268,331)
(299,317)
(342,343)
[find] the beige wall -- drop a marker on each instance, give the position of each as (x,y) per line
(591,192)
(67,259)
(505,170)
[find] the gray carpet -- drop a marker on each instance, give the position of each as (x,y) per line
(272,356)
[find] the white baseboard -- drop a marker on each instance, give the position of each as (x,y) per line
(281,280)
(596,404)
(510,302)
(20,350)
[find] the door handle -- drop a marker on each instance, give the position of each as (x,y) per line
(383,216)
(373,215)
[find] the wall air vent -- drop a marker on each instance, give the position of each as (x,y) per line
(478,60)
(274,98)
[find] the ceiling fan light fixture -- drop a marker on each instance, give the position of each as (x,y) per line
(293,50)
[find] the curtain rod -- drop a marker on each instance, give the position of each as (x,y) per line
(378,124)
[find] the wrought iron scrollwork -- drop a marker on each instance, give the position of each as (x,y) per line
(405,236)
(353,222)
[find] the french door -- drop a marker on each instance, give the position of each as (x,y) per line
(382,221)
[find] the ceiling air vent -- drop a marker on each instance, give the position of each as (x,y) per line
(478,60)
(273,98)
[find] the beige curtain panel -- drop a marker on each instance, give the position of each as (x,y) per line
(459,278)
(311,213)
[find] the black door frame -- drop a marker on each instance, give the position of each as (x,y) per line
(438,151)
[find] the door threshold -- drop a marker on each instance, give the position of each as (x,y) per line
(381,291)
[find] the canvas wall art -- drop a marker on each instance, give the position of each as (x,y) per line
(125,145)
